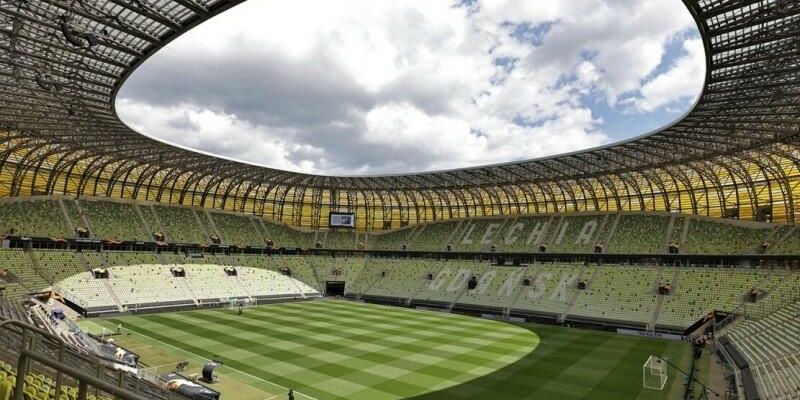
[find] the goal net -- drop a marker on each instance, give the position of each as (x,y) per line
(234,304)
(654,373)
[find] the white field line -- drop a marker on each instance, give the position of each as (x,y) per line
(238,371)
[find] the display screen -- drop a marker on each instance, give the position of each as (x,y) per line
(342,220)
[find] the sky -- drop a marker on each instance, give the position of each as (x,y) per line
(361,87)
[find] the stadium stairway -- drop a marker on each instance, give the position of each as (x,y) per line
(65,215)
(83,219)
(111,292)
(771,346)
(618,232)
(519,289)
(144,222)
(418,290)
(651,324)
(371,278)
(187,290)
(577,294)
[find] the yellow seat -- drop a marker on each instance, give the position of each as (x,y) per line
(6,387)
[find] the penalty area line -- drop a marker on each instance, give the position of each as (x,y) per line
(234,369)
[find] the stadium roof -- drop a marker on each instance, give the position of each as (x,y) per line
(63,62)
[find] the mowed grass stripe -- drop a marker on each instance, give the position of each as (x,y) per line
(337,366)
(413,349)
(380,335)
(226,325)
(522,378)
(344,350)
(590,370)
(342,339)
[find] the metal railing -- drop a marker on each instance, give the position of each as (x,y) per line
(84,380)
(48,350)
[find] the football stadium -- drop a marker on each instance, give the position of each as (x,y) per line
(664,266)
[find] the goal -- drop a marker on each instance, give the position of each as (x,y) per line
(654,373)
(234,304)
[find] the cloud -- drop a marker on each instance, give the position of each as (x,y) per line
(679,82)
(379,87)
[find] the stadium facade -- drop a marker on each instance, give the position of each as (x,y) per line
(735,154)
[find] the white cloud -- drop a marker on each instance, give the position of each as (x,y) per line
(681,81)
(373,87)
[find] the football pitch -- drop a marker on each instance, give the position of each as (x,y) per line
(330,350)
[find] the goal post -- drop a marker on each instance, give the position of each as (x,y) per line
(654,373)
(234,304)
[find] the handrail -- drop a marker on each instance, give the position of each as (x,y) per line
(30,327)
(737,374)
(84,380)
(61,350)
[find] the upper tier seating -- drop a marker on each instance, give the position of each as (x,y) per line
(40,218)
(480,234)
(237,230)
(11,309)
(790,243)
(111,220)
(709,237)
(618,233)
(392,240)
(11,219)
(44,218)
(639,234)
(433,237)
(578,233)
(525,234)
(74,214)
(342,240)
(149,216)
(181,225)
(284,236)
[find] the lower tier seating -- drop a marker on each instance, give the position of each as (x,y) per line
(135,287)
(771,346)
(619,293)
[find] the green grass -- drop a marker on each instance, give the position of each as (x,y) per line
(332,350)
